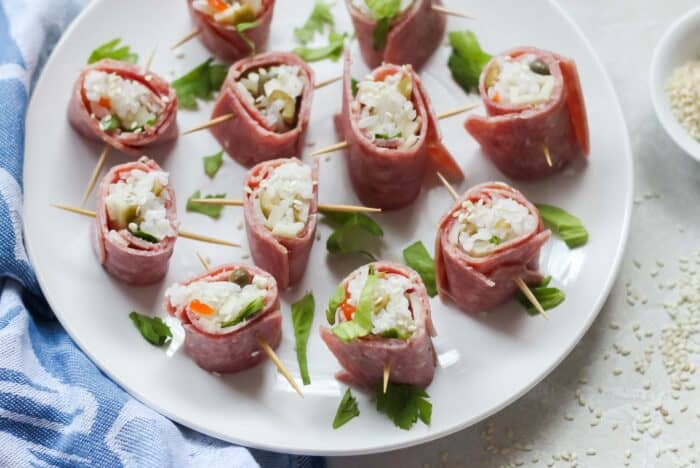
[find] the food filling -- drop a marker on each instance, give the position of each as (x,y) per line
(275,91)
(361,6)
(137,203)
(283,199)
(121,104)
(219,305)
(519,81)
(482,226)
(230,12)
(391,303)
(387,115)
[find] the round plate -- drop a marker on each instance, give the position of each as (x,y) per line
(485,362)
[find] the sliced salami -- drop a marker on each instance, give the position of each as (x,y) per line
(490,237)
(281,210)
(545,111)
(402,329)
(412,38)
(270,95)
(220,334)
(126,107)
(387,170)
(223,38)
(135,229)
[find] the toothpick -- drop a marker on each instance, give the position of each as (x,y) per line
(331,149)
(450,12)
(185,234)
(387,371)
(207,239)
(530,296)
(211,123)
(457,111)
(280,367)
(344,144)
(95,174)
(324,83)
(448,186)
(149,62)
(203,261)
(518,281)
(321,207)
(547,156)
(192,34)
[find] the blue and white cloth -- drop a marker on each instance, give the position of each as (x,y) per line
(56,407)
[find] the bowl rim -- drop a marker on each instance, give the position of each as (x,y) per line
(657,81)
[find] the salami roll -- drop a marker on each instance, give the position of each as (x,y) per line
(533,100)
(392,135)
(136,223)
(281,210)
(223,312)
(412,38)
(217,23)
(402,328)
(124,106)
(270,95)
(490,237)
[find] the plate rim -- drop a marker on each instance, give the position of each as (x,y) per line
(419,439)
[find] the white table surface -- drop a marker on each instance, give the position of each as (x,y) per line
(621,399)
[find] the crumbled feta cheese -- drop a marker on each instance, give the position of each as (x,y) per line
(683,90)
(482,226)
(109,94)
(227,299)
(518,84)
(283,199)
(386,109)
(138,203)
(274,92)
(361,5)
(393,309)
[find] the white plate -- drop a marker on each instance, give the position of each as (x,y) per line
(679,44)
(485,362)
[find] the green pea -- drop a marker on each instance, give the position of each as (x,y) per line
(241,277)
(539,67)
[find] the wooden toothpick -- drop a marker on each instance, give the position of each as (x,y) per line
(547,155)
(189,36)
(385,381)
(95,174)
(185,234)
(450,12)
(321,207)
(280,367)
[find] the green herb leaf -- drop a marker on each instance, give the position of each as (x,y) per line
(213,163)
(112,51)
(337,299)
(110,123)
(199,83)
(404,405)
(384,136)
(302,319)
(213,211)
(467,59)
(242,28)
(146,236)
(495,240)
(361,323)
(252,308)
(352,235)
(153,329)
(417,257)
(333,51)
(320,16)
(548,297)
(394,333)
(568,226)
(354,86)
(347,410)
(384,12)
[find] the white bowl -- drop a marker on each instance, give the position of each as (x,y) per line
(680,43)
